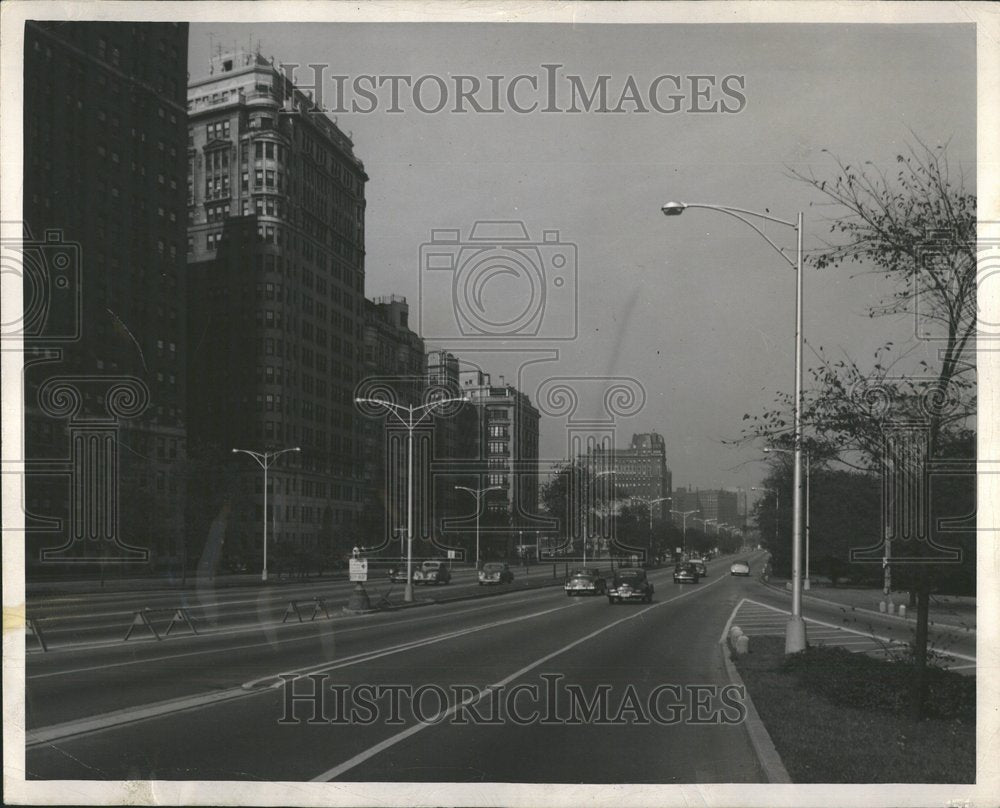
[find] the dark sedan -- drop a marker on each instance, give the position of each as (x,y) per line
(589,581)
(686,573)
(495,573)
(630,584)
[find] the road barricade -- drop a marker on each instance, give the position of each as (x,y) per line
(293,608)
(32,629)
(143,619)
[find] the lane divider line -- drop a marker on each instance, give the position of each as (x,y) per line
(132,715)
(355,761)
(276,680)
(349,630)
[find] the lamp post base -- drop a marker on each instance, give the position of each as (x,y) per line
(408,592)
(795,635)
(263,577)
(358,602)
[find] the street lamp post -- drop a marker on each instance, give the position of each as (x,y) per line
(684,524)
(795,629)
(264,460)
(478,494)
(596,477)
(777,504)
(805,581)
(410,423)
(649,505)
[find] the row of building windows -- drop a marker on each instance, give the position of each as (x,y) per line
(217,131)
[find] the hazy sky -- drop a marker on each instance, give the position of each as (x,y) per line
(698,309)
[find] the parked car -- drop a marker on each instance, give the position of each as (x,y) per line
(432,572)
(587,580)
(496,572)
(686,573)
(630,584)
(739,568)
(397,573)
(701,567)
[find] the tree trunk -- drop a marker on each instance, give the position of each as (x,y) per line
(920,648)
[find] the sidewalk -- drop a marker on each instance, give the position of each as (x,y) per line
(945,610)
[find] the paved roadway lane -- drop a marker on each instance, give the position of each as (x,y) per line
(220,730)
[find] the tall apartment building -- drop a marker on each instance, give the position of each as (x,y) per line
(459,458)
(276,267)
(510,433)
(394,359)
(714,504)
(640,470)
(105,129)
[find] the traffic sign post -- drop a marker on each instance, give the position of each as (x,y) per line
(358,574)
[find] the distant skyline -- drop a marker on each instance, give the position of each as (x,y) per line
(698,310)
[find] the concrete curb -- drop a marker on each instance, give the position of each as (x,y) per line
(847,606)
(760,739)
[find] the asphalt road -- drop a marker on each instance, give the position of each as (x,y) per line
(215,706)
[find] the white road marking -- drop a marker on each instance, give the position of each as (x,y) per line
(361,757)
(247,630)
(869,635)
(367,656)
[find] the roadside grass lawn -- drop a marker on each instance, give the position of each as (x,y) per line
(838,717)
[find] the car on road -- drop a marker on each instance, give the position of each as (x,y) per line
(496,572)
(686,573)
(630,583)
(739,568)
(397,573)
(432,572)
(585,580)
(701,567)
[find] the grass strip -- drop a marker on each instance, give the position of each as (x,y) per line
(839,717)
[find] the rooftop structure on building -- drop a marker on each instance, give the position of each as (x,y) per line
(640,470)
(276,254)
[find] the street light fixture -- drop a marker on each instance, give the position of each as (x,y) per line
(684,524)
(649,505)
(410,422)
(795,630)
(264,460)
(478,494)
(805,581)
(596,477)
(777,505)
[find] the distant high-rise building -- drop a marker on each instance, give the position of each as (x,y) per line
(394,359)
(716,505)
(640,471)
(276,267)
(105,130)
(458,446)
(510,432)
